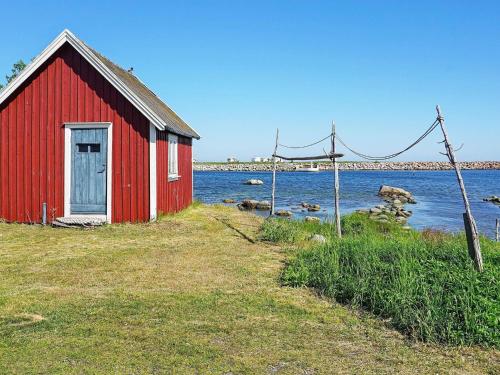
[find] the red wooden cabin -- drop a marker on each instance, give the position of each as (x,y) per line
(88,138)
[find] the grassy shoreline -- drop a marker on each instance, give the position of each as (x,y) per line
(195,292)
(423,283)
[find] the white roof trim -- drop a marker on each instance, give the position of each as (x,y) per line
(68,36)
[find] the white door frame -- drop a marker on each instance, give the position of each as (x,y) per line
(152,173)
(67,165)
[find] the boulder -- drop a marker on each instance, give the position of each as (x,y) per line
(254,181)
(401,219)
(392,191)
(283,213)
(312,219)
(397,202)
(263,205)
(403,213)
(313,207)
(304,204)
(249,204)
(492,199)
(375,210)
(318,238)
(228,200)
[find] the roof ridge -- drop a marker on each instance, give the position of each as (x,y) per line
(134,90)
(126,74)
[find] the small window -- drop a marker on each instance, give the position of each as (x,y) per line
(88,147)
(83,147)
(95,147)
(173,167)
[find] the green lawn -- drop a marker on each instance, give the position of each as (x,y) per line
(192,293)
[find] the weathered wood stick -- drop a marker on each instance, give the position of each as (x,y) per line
(274,173)
(336,185)
(473,241)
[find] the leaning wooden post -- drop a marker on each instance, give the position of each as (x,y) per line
(274,173)
(497,237)
(469,222)
(336,184)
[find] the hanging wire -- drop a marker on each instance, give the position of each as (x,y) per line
(312,144)
(391,156)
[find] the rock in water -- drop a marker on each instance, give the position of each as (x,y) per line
(313,207)
(283,213)
(493,199)
(397,202)
(263,205)
(312,219)
(254,181)
(390,191)
(318,238)
(228,200)
(249,204)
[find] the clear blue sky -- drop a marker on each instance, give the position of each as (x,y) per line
(236,70)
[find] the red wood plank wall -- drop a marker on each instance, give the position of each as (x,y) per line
(173,196)
(68,89)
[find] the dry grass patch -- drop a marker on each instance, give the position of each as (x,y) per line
(193,292)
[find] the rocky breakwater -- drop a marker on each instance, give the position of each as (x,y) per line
(394,208)
(242,167)
(348,166)
(414,165)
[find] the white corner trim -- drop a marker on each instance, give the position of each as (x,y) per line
(68,36)
(67,164)
(152,173)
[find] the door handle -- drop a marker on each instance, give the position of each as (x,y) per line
(103,168)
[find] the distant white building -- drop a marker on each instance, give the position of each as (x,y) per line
(232,160)
(261,159)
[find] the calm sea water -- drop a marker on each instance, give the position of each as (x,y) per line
(439,203)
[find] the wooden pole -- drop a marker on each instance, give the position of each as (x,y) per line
(470,224)
(336,184)
(498,231)
(274,173)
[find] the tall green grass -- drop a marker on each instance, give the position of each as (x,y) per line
(292,231)
(423,283)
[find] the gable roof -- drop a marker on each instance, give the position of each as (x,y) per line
(136,92)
